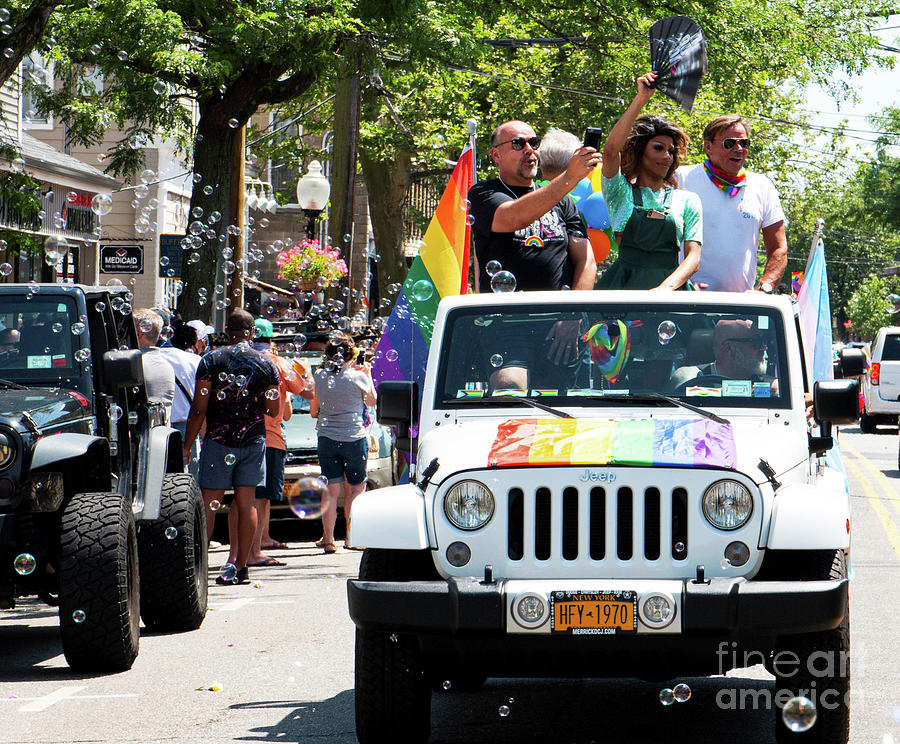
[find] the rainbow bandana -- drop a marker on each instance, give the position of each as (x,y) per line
(646,442)
(609,351)
(731,185)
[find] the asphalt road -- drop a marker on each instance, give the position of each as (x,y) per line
(281,650)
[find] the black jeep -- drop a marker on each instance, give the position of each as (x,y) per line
(96,512)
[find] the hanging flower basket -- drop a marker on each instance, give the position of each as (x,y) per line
(311,266)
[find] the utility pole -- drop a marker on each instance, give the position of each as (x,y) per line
(236,278)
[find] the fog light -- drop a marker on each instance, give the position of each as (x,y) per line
(458,554)
(657,610)
(531,611)
(737,554)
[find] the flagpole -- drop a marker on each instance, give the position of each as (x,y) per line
(472,128)
(818,229)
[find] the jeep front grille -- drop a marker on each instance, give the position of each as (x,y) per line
(557,518)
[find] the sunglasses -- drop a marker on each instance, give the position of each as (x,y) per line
(729,142)
(758,343)
(662,148)
(518,143)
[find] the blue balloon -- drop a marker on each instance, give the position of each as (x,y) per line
(595,211)
(582,190)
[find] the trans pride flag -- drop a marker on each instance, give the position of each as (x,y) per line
(440,269)
(815,315)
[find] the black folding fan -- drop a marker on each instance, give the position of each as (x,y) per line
(678,56)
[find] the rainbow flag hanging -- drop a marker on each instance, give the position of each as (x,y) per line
(441,269)
(648,442)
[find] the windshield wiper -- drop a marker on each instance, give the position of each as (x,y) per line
(13,385)
(645,397)
(510,398)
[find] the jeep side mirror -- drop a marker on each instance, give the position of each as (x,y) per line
(852,362)
(836,401)
(398,405)
(123,368)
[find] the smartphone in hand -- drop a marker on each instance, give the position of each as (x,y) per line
(593,137)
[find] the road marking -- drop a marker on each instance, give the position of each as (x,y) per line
(237,604)
(875,501)
(886,484)
(42,703)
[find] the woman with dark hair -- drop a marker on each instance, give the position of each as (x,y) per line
(650,216)
(344,388)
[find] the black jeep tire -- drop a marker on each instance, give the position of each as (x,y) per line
(98,576)
(174,583)
(830,675)
(393,695)
(866,423)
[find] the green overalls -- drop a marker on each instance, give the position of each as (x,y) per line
(649,249)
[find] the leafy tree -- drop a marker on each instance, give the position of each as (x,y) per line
(869,309)
(27,22)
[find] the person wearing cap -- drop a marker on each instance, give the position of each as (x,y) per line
(203,333)
(296,381)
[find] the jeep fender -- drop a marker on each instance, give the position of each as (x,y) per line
(164,455)
(810,517)
(391,517)
(85,458)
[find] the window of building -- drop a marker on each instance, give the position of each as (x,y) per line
(35,71)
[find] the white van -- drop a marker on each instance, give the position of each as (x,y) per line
(882,385)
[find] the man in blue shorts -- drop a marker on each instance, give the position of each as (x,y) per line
(236,389)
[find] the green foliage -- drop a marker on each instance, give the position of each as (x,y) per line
(868,308)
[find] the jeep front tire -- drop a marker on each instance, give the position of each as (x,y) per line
(99,609)
(393,694)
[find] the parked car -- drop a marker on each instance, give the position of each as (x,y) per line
(881,388)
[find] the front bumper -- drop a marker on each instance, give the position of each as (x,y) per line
(721,606)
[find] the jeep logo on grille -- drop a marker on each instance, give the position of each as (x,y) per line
(598,475)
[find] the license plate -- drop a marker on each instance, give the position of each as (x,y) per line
(593,613)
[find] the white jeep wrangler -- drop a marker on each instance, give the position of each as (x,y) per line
(659,502)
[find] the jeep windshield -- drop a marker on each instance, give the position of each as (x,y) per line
(601,354)
(39,339)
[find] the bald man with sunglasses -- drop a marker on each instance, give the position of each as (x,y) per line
(738,207)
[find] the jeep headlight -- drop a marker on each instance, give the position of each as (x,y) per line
(727,504)
(469,505)
(7,451)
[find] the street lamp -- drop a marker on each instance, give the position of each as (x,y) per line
(313,191)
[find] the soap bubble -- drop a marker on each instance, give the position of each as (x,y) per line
(392,355)
(799,714)
(893,301)
(306,497)
(503,710)
(6,269)
(446,684)
(79,616)
(148,175)
(82,355)
(682,692)
(422,290)
(492,267)
(233,123)
(497,360)
(56,328)
(101,204)
(24,564)
(666,331)
(122,55)
(230,459)
(215,505)
(171,533)
(667,696)
(115,412)
(78,328)
(272,394)
(503,281)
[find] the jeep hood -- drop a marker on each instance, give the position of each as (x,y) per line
(46,408)
(657,442)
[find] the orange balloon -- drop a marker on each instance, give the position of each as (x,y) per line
(599,242)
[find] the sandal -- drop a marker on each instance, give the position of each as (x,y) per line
(320,543)
(329,548)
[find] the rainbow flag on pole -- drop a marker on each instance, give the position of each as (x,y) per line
(440,269)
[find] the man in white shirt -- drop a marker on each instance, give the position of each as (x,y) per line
(184,365)
(159,379)
(737,206)
(203,331)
